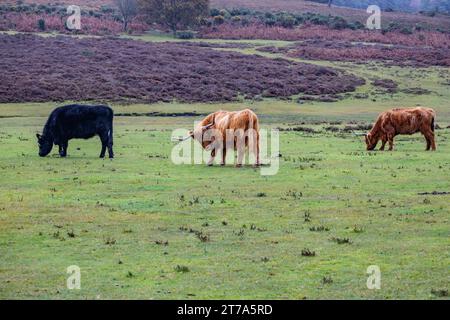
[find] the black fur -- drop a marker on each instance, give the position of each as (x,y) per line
(77,122)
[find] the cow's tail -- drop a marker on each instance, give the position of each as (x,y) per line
(110,131)
(433,122)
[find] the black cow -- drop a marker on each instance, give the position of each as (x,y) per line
(77,122)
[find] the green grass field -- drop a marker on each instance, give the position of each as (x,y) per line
(141,227)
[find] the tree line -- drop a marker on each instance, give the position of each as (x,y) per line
(173,14)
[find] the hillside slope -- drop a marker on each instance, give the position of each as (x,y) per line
(438,21)
(348,13)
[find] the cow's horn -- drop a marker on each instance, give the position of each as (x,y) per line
(208,126)
(181,139)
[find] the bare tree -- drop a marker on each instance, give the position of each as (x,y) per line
(128,10)
(330,2)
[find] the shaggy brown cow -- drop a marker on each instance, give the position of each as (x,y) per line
(224,130)
(402,121)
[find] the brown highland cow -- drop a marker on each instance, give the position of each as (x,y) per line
(224,130)
(402,121)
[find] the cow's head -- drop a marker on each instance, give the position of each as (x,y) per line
(45,145)
(199,134)
(371,141)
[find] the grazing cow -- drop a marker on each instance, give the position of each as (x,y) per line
(77,122)
(402,121)
(224,130)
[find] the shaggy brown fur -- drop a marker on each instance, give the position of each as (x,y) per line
(223,130)
(402,121)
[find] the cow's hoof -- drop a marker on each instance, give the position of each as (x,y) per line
(239,166)
(209,165)
(222,164)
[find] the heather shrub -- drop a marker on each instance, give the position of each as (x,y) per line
(338,23)
(406,30)
(106,9)
(224,13)
(245,21)
(155,72)
(270,22)
(214,12)
(186,35)
(286,20)
(236,19)
(219,20)
(307,31)
(41,24)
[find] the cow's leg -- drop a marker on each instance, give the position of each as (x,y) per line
(428,143)
(63,148)
(110,144)
(211,159)
(389,135)
(383,144)
(224,156)
(255,148)
(391,142)
(433,141)
(429,136)
(104,140)
(240,154)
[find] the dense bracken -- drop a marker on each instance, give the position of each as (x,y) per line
(43,22)
(306,32)
(67,68)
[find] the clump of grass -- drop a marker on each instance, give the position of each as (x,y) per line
(110,241)
(203,237)
(127,231)
(71,234)
(358,229)
(194,200)
(130,274)
(294,194)
(261,195)
(327,280)
(308,253)
(224,223)
(341,240)
(307,216)
(57,235)
(319,229)
(182,269)
(440,292)
(162,243)
(265,259)
(240,233)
